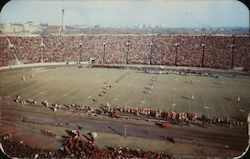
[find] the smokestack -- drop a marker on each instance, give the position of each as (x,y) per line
(62,27)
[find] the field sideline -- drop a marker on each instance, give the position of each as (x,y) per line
(67,85)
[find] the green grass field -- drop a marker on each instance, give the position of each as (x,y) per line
(170,92)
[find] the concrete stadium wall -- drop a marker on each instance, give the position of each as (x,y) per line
(164,51)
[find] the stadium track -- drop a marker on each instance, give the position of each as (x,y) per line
(234,140)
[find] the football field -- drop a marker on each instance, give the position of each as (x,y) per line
(96,86)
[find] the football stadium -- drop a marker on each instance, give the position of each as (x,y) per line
(134,95)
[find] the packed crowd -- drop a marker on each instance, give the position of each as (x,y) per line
(241,47)
(190,51)
(75,146)
(21,150)
(218,48)
(131,49)
(163,50)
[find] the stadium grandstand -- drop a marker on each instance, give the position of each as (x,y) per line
(208,51)
(125,85)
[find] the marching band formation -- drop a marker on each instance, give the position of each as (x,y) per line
(181,118)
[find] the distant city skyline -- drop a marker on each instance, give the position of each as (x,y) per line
(114,13)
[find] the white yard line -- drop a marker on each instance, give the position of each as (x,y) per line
(123,90)
(50,88)
(106,94)
(159,95)
(204,99)
(220,104)
(132,94)
(31,87)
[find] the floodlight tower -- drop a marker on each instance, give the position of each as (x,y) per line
(104,44)
(232,51)
(62,25)
(62,20)
(128,44)
(203,45)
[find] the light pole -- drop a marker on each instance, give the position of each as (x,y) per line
(128,44)
(232,51)
(151,52)
(61,56)
(12,50)
(58,45)
(104,53)
(11,47)
(41,55)
(176,51)
(203,45)
(80,52)
(203,54)
(42,46)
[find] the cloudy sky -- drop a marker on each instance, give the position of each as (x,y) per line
(112,13)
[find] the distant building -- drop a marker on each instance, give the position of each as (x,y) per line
(20,28)
(54,28)
(32,27)
(80,26)
(7,28)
